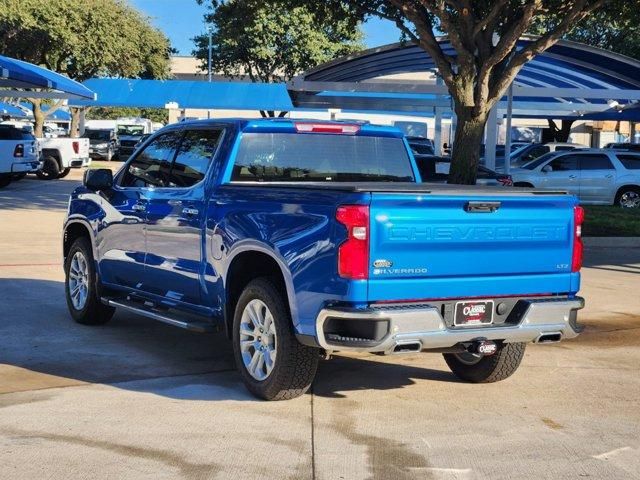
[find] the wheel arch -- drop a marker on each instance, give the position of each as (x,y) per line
(73,230)
(54,153)
(250,261)
(624,186)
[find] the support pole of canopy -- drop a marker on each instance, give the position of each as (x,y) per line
(437,141)
(507,138)
(83,121)
(491,137)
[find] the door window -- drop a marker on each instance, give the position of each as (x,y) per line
(194,156)
(152,166)
(595,162)
(535,152)
(564,163)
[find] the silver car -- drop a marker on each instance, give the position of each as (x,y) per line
(598,177)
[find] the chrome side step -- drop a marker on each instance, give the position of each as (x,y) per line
(165,317)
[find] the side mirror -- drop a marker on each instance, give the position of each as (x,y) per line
(96,179)
(547,169)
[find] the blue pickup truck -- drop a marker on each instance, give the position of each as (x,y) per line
(302,238)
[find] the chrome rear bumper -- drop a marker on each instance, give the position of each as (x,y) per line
(423,325)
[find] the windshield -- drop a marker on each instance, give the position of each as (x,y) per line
(538,161)
(290,157)
(97,134)
(134,130)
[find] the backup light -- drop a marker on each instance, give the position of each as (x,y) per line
(333,128)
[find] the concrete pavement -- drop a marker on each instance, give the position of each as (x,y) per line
(139,399)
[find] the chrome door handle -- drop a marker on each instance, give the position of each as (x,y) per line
(190,212)
(139,207)
(572,176)
(608,176)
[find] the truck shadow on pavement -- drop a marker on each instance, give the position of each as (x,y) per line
(38,194)
(139,354)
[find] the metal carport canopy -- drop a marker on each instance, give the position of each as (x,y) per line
(569,77)
(16,75)
(118,92)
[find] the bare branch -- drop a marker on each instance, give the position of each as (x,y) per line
(493,15)
(428,41)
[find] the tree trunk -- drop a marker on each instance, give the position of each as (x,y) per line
(38,118)
(466,149)
(561,134)
(75,122)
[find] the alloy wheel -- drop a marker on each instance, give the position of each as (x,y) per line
(78,281)
(258,339)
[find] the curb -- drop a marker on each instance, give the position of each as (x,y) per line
(612,242)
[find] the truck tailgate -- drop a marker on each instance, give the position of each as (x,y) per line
(448,246)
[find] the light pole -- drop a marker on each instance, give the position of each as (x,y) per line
(209,31)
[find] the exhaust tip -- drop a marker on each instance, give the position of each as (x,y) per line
(412,347)
(549,338)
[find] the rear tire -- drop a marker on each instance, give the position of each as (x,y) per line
(50,169)
(271,361)
(64,173)
(628,197)
(487,369)
(5,180)
(80,283)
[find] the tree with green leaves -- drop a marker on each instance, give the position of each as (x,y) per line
(484,35)
(252,39)
(82,39)
(615,27)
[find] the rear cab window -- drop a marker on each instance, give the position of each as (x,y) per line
(318,157)
(630,162)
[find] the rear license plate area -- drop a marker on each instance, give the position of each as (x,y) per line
(473,313)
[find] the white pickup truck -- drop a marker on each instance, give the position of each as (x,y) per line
(18,154)
(60,155)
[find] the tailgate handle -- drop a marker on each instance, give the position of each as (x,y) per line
(481,207)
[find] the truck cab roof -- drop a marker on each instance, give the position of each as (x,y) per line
(301,125)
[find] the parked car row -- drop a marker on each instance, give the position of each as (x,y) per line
(595,176)
(22,153)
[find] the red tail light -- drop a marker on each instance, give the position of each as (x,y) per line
(335,128)
(353,254)
(18,152)
(506,181)
(76,147)
(578,246)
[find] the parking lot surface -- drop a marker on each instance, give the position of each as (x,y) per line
(140,399)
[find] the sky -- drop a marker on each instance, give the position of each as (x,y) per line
(181,20)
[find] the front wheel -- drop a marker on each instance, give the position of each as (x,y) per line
(271,361)
(64,172)
(628,197)
(83,300)
(486,369)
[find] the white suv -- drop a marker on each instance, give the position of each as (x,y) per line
(598,177)
(18,154)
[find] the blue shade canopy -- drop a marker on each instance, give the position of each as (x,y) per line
(628,114)
(18,74)
(12,110)
(566,65)
(112,92)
